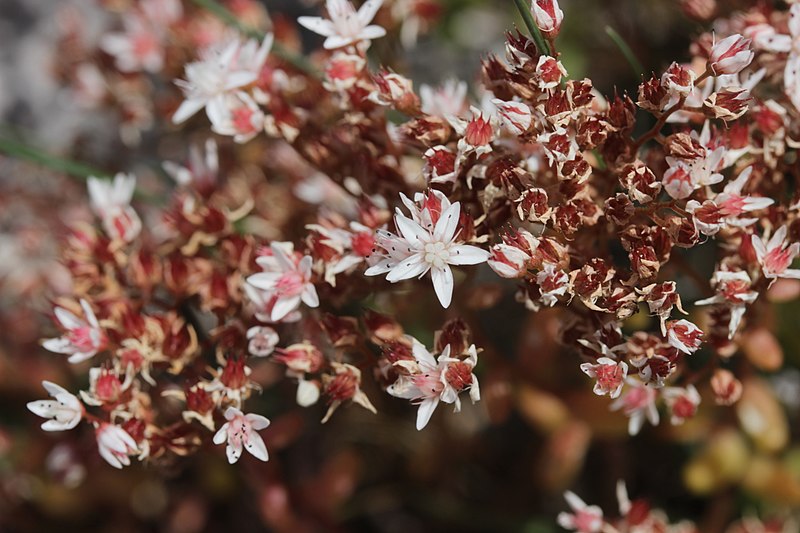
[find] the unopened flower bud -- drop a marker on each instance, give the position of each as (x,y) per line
(731,55)
(727,389)
(395,91)
(508,261)
(547,16)
(516,116)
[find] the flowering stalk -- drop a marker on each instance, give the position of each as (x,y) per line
(75,169)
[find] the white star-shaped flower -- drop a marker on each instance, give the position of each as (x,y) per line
(346,25)
(418,250)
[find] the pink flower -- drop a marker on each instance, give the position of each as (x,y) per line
(430,380)
(83,338)
(138,48)
(105,386)
(340,250)
(301,358)
(610,376)
(777,255)
(584,518)
(115,444)
(440,165)
(548,16)
(237,116)
(731,55)
(726,207)
(765,37)
(728,103)
(221,70)
(733,291)
(286,279)
(638,403)
(734,204)
(448,99)
(684,336)
(111,201)
(262,341)
(394,90)
(342,71)
(682,403)
(686,176)
(240,433)
(345,25)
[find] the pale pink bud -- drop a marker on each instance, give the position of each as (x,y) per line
(731,55)
(508,261)
(548,16)
(516,116)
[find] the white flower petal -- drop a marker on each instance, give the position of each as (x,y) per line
(411,231)
(257,422)
(187,109)
(318,25)
(257,448)
(426,409)
(284,306)
(368,11)
(465,254)
(221,435)
(410,267)
(443,285)
(448,222)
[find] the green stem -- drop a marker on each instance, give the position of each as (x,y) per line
(636,65)
(226,16)
(18,150)
(525,11)
(73,168)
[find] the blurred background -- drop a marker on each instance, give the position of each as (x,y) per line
(502,465)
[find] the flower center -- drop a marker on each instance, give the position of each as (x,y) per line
(290,284)
(776,261)
(436,254)
(243,120)
(429,384)
(684,408)
(238,430)
(81,338)
(609,376)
